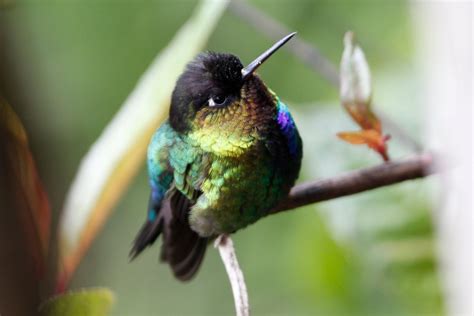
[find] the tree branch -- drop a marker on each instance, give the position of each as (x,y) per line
(357,181)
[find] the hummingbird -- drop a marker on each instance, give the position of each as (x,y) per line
(229,152)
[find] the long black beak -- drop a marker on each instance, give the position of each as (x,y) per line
(247,71)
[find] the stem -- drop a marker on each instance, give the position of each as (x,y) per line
(236,277)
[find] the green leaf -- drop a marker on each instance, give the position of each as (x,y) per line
(93,302)
(113,160)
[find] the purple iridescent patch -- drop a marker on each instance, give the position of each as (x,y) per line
(287,126)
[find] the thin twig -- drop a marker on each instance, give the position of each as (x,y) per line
(358,181)
(236,277)
(275,30)
(310,55)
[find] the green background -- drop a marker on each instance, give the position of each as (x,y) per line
(73,63)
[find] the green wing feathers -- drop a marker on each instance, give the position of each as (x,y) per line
(173,179)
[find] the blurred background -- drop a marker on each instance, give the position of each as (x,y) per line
(68,66)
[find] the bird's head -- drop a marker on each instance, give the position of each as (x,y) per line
(221,103)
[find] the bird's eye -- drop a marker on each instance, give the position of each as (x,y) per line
(217,100)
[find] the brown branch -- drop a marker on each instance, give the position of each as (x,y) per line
(353,182)
(310,55)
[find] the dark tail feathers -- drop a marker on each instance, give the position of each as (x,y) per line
(183,249)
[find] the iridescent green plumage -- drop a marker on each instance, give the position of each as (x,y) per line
(228,154)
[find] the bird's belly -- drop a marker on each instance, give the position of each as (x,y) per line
(236,194)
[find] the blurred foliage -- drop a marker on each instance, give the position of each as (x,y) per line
(85,302)
(370,254)
(31,204)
